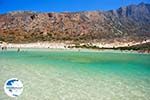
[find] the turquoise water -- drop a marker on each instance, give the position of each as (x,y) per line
(73,75)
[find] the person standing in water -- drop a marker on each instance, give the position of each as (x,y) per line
(18,50)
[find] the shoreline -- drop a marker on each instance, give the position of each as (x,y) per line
(77,47)
(75,50)
(69,44)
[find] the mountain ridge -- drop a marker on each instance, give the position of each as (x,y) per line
(130,23)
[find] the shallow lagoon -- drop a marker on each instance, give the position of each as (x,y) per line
(73,75)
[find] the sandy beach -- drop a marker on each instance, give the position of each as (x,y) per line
(35,45)
(61,45)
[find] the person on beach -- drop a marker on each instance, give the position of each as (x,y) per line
(2,48)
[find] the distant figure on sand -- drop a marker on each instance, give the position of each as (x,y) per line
(4,48)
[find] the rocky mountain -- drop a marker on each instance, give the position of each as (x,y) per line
(130,23)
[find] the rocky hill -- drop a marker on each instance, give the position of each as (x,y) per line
(130,23)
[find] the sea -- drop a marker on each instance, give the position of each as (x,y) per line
(51,74)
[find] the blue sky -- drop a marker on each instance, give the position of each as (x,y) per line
(64,5)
